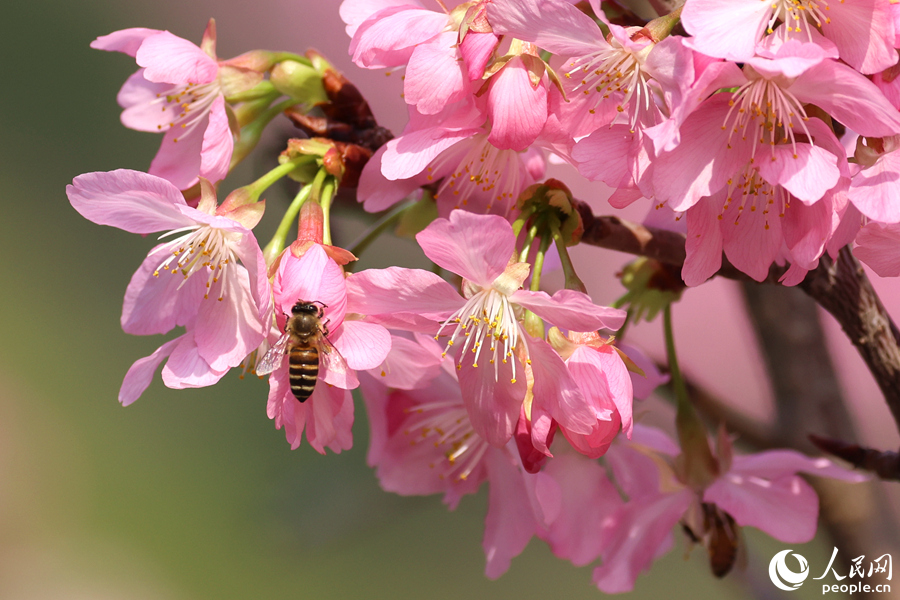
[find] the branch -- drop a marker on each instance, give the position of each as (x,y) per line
(841,287)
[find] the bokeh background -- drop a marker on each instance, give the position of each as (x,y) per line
(194,494)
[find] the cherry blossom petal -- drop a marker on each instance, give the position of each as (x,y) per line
(729,30)
(140,374)
(218,144)
(228,330)
(805,170)
(863,31)
(492,400)
(141,100)
(410,364)
(777,463)
(355,12)
(186,368)
(388,37)
(786,508)
(588,500)
(130,200)
(434,76)
(554,25)
(569,309)
(516,108)
(126,41)
(157,304)
(877,247)
(179,156)
(399,290)
(510,522)
(874,190)
(314,277)
(635,535)
(329,419)
(477,247)
(378,193)
(168,58)
(556,393)
(476,50)
(751,239)
(363,345)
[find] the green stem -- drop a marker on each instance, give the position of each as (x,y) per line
(681,394)
(539,263)
(620,333)
(529,240)
(255,189)
(523,217)
(379,227)
(325,198)
(276,245)
(572,280)
(251,132)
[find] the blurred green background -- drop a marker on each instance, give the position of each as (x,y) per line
(193,494)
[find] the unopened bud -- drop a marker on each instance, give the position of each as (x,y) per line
(299,81)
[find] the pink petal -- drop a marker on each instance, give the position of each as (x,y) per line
(606,154)
(864,33)
(187,369)
(751,239)
(218,144)
(477,247)
(399,290)
(635,535)
(493,401)
(126,41)
(849,97)
(377,192)
(725,30)
(805,170)
(411,363)
(354,12)
(334,370)
(170,59)
(157,304)
(140,374)
(434,76)
(510,522)
(787,508)
(331,419)
(388,37)
(588,501)
(806,230)
(179,156)
(409,154)
(877,247)
(312,278)
(141,100)
(556,393)
(228,330)
(778,463)
(130,200)
(363,345)
(517,109)
(605,377)
(703,245)
(569,309)
(873,190)
(554,25)
(476,50)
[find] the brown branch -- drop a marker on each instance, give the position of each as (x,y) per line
(841,287)
(884,464)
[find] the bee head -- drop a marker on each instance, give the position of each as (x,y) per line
(308,308)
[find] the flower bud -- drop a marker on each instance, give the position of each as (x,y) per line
(299,81)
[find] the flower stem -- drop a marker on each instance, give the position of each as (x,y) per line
(326,196)
(539,263)
(251,132)
(572,280)
(681,395)
(276,245)
(255,189)
(528,241)
(379,227)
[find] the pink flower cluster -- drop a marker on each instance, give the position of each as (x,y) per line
(729,128)
(472,383)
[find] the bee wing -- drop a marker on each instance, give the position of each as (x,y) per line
(272,359)
(330,357)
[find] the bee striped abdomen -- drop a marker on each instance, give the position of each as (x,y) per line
(304,370)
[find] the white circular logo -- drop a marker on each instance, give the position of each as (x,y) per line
(782,576)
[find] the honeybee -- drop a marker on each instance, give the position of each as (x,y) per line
(304,337)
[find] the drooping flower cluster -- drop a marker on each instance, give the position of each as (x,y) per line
(464,384)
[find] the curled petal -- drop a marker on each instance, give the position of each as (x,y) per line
(140,374)
(168,58)
(569,309)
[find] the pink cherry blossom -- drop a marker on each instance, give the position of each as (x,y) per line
(455,149)
(483,328)
(351,345)
(873,188)
(876,245)
(180,90)
(761,490)
(862,31)
(211,278)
